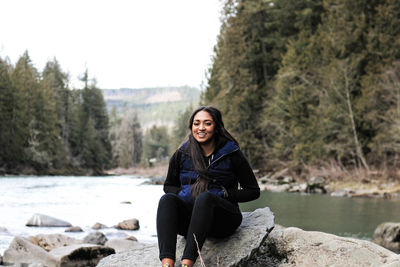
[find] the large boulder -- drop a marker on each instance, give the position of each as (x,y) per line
(97,238)
(42,220)
(51,241)
(132,224)
(22,251)
(231,251)
(120,244)
(316,184)
(388,235)
(80,255)
(295,247)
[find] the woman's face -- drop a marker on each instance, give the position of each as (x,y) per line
(203,127)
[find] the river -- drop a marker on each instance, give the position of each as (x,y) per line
(83,201)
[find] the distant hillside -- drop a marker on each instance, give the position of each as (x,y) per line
(160,106)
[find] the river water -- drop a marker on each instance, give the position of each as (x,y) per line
(83,201)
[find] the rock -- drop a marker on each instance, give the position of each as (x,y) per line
(74,229)
(131,238)
(46,221)
(342,193)
(80,255)
(99,226)
(155,181)
(295,247)
(3,230)
(121,245)
(97,238)
(388,236)
(126,202)
(286,180)
(316,185)
(232,251)
(280,174)
(276,188)
(298,188)
(21,251)
(51,241)
(132,224)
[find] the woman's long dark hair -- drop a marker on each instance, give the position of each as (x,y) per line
(221,135)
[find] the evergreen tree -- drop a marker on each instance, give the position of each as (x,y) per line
(56,79)
(25,80)
(180,131)
(156,143)
(94,109)
(10,139)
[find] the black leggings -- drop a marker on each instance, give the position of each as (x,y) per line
(210,215)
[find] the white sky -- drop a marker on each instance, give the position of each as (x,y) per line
(133,44)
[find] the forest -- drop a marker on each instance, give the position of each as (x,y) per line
(49,128)
(305,83)
(310,83)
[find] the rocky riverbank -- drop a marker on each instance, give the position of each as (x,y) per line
(257,242)
(284,181)
(62,250)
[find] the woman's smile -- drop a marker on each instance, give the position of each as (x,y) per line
(203,127)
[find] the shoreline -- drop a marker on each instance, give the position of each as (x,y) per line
(348,185)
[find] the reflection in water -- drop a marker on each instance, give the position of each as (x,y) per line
(350,217)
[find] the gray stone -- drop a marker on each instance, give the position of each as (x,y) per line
(121,245)
(298,188)
(287,180)
(342,193)
(97,238)
(295,247)
(388,235)
(99,226)
(21,251)
(74,229)
(80,255)
(231,251)
(51,241)
(131,238)
(132,224)
(42,220)
(3,230)
(154,181)
(280,174)
(316,185)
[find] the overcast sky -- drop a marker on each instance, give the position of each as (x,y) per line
(123,43)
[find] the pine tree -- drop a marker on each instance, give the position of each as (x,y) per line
(94,109)
(10,139)
(25,80)
(56,79)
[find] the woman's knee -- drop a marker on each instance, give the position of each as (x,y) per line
(168,198)
(205,199)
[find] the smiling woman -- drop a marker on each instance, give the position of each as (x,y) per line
(203,131)
(201,188)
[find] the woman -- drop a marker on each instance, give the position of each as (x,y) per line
(201,188)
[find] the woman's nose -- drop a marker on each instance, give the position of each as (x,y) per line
(202,126)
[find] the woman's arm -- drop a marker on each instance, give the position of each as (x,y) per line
(172,183)
(246,178)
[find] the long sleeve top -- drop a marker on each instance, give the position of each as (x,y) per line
(249,189)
